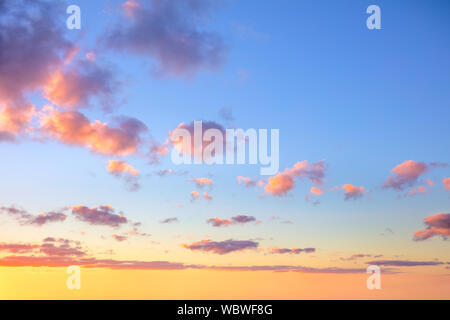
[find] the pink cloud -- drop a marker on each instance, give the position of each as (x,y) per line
(417,190)
(437,225)
(406,174)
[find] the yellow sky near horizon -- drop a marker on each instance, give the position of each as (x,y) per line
(50,283)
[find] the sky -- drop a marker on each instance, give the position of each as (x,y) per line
(87,122)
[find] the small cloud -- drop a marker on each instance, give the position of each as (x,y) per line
(353,192)
(221,247)
(119,238)
(169,220)
(122,170)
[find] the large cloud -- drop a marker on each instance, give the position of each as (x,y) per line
(221,247)
(437,225)
(73,128)
(32,47)
(169,33)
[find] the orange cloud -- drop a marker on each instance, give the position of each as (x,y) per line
(282,183)
(201,182)
(316,191)
(118,167)
(207,196)
(446,183)
(73,128)
(353,192)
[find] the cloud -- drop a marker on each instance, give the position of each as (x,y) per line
(290,251)
(81,84)
(17,247)
(73,128)
(169,172)
(50,247)
(236,220)
(353,192)
(282,183)
(25,218)
(242,219)
(168,33)
(169,220)
(446,183)
(403,263)
(417,190)
(122,170)
(207,196)
(217,222)
(32,45)
(43,261)
(221,247)
(62,248)
(194,195)
(102,215)
(316,191)
(406,174)
(437,225)
(226,113)
(201,182)
(119,238)
(190,149)
(361,256)
(249,182)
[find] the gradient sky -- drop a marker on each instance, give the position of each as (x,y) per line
(366,109)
